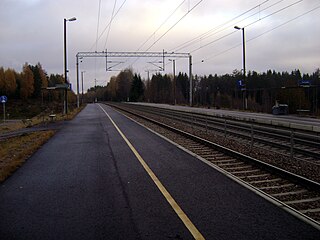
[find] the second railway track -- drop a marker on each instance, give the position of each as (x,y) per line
(298,194)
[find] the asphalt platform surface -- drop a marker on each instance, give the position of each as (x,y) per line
(86,183)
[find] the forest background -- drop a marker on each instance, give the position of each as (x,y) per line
(31,91)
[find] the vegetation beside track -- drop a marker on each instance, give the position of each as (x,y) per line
(15,151)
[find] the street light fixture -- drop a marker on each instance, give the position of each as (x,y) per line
(244,66)
(65,63)
(174,80)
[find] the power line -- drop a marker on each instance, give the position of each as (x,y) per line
(201,36)
(231,25)
(290,5)
(260,35)
(173,25)
(114,6)
(189,10)
(101,34)
(95,61)
(216,40)
(161,25)
(272,29)
(98,24)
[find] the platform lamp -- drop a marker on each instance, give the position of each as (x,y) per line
(65,63)
(244,65)
(174,80)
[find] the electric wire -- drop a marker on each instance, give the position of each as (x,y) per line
(189,10)
(114,6)
(153,34)
(269,15)
(260,35)
(203,35)
(101,34)
(98,24)
(275,12)
(231,25)
(173,25)
(95,60)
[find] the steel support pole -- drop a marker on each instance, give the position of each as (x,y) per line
(82,86)
(65,110)
(174,82)
(4,112)
(190,81)
(244,69)
(78,97)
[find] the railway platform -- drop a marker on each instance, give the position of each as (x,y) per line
(290,121)
(115,179)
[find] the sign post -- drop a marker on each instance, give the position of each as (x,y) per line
(4,99)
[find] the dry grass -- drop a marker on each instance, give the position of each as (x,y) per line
(15,151)
(11,127)
(41,118)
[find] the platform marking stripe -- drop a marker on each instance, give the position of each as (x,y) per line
(184,218)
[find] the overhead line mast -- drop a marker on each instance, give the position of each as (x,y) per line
(162,55)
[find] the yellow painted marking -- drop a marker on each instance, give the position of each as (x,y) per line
(187,222)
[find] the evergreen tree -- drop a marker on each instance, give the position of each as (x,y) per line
(27,82)
(40,79)
(137,89)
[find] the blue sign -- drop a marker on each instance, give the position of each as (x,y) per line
(304,82)
(3,99)
(241,84)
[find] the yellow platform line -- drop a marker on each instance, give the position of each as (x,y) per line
(184,218)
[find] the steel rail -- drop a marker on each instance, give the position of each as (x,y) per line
(263,134)
(268,167)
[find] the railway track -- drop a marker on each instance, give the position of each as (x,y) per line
(292,192)
(299,145)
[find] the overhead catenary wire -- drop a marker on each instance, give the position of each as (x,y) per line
(156,41)
(260,35)
(98,24)
(95,61)
(101,34)
(153,34)
(203,35)
(190,10)
(260,19)
(114,6)
(231,25)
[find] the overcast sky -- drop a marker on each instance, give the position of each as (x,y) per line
(280,34)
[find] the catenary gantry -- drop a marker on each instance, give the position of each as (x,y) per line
(162,55)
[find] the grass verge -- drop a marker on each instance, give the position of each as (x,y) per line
(39,119)
(15,151)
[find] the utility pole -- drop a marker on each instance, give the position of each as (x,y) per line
(65,63)
(245,102)
(95,89)
(82,86)
(78,92)
(65,103)
(174,80)
(190,81)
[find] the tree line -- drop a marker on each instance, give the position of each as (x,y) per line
(261,90)
(31,83)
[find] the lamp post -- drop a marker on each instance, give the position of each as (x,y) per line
(65,62)
(174,80)
(82,73)
(244,66)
